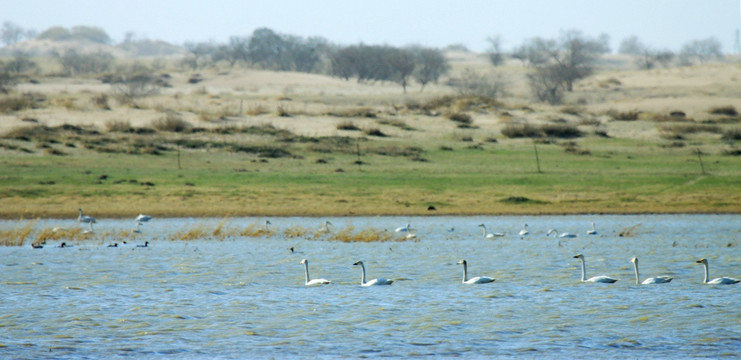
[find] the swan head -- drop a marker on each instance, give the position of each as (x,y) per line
(482,225)
(358,263)
(303,261)
(462,262)
(634,260)
(579,256)
(702,261)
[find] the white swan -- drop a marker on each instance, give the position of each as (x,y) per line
(716,281)
(474,280)
(143,218)
(314,281)
(599,279)
(404,228)
(86,219)
(593,231)
(651,280)
(379,281)
(524,231)
(325,227)
(561,235)
(490,235)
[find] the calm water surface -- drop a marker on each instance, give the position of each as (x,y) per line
(244,297)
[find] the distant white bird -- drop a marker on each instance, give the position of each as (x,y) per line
(86,219)
(379,281)
(599,279)
(489,235)
(325,227)
(406,228)
(716,281)
(593,231)
(410,236)
(524,231)
(651,280)
(143,218)
(314,281)
(474,280)
(561,235)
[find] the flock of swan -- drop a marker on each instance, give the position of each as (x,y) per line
(486,279)
(141,218)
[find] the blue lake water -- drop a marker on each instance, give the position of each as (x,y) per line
(238,296)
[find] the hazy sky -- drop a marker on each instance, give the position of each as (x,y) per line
(436,23)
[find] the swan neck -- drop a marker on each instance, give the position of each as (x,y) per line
(635,267)
(583,271)
(362,276)
(465,272)
(306,271)
(707,275)
(483,230)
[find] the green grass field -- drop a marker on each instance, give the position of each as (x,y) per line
(454,177)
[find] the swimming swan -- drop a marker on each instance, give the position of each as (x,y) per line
(524,231)
(86,219)
(404,228)
(143,218)
(716,281)
(651,280)
(315,281)
(490,235)
(593,231)
(562,235)
(475,280)
(599,279)
(379,281)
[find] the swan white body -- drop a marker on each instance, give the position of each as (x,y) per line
(651,280)
(524,231)
(593,231)
(595,279)
(489,235)
(379,281)
(404,228)
(325,227)
(86,219)
(716,281)
(313,282)
(561,235)
(474,280)
(143,218)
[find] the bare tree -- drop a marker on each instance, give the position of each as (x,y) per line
(403,62)
(431,64)
(11,33)
(495,50)
(473,83)
(20,63)
(700,51)
(631,46)
(73,62)
(546,84)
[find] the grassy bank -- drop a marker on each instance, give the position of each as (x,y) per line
(617,176)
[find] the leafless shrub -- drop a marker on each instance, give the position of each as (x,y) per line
(724,110)
(521,131)
(118,126)
(171,122)
(347,125)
